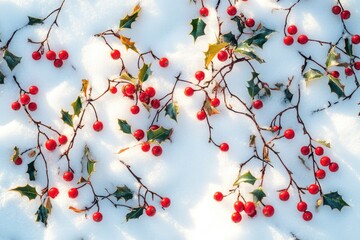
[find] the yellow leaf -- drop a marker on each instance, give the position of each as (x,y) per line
(76,209)
(210,110)
(212,51)
(85,85)
(128,43)
(123,150)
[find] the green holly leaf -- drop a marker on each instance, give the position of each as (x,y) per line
(67,118)
(260,37)
(123,192)
(253,89)
(134,213)
(172,109)
(128,77)
(27,191)
(246,178)
(239,23)
(334,200)
(42,214)
(15,154)
(198,28)
(90,163)
(258,194)
(312,74)
(144,73)
(11,59)
(332,58)
(288,94)
(34,21)
(124,126)
(77,106)
(323,142)
(129,19)
(2,78)
(159,135)
(31,170)
(336,86)
(246,50)
(230,38)
(348,47)
(212,51)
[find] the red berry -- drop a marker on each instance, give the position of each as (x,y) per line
(156,151)
(313,188)
(33,90)
(150,91)
(154,127)
(63,55)
(18,161)
(129,89)
(333,167)
(253,214)
(345,14)
(303,39)
(53,192)
(357,65)
(200,75)
(319,151)
(73,193)
(268,211)
(355,39)
(139,134)
(301,206)
(250,208)
(50,144)
(24,99)
(15,106)
(204,11)
(224,147)
(134,109)
(305,150)
(258,104)
(165,202)
(145,146)
(97,216)
(144,97)
(189,91)
(336,9)
(275,128)
(284,195)
(320,174)
(222,56)
(115,54)
(231,10)
(288,40)
(155,103)
(292,29)
(113,90)
(62,139)
(215,102)
(307,216)
(239,206)
(325,161)
(201,115)
(98,126)
(250,22)
(68,176)
(218,196)
(50,55)
(36,55)
(58,63)
(150,211)
(32,106)
(335,74)
(348,72)
(163,62)
(289,133)
(236,217)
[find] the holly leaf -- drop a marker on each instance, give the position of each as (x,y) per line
(27,191)
(324,143)
(239,23)
(230,38)
(128,44)
(123,192)
(15,154)
(144,73)
(260,37)
(336,86)
(172,110)
(348,47)
(332,58)
(159,135)
(2,78)
(258,194)
(34,21)
(253,89)
(84,87)
(11,59)
(42,214)
(124,126)
(134,213)
(288,94)
(312,74)
(31,170)
(213,49)
(129,19)
(334,200)
(128,77)
(77,106)
(210,110)
(198,28)
(246,50)
(67,118)
(246,178)
(90,163)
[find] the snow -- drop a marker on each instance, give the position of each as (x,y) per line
(190,169)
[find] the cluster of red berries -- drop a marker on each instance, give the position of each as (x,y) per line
(344,14)
(289,40)
(151,210)
(51,56)
(51,144)
(145,146)
(25,100)
(324,161)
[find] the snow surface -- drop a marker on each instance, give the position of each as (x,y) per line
(190,170)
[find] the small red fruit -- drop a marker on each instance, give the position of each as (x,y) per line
(97,216)
(63,55)
(50,144)
(130,89)
(284,195)
(224,147)
(250,22)
(24,99)
(333,167)
(313,188)
(289,133)
(335,74)
(58,63)
(145,146)
(258,104)
(268,211)
(239,206)
(307,216)
(150,91)
(165,202)
(303,39)
(135,109)
(32,106)
(222,56)
(68,176)
(113,90)
(250,208)
(319,151)
(325,161)
(156,151)
(200,75)
(53,192)
(305,150)
(50,55)
(348,72)
(215,102)
(33,90)
(139,134)
(355,39)
(288,40)
(155,103)
(253,214)
(320,174)
(292,29)
(150,211)
(18,161)
(163,62)
(189,91)
(15,106)
(231,10)
(301,206)
(36,55)
(357,65)
(201,115)
(144,97)
(336,9)
(236,217)
(275,128)
(115,54)
(204,11)
(73,193)
(98,126)
(154,127)
(345,14)
(218,196)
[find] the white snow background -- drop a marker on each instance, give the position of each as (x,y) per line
(190,169)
